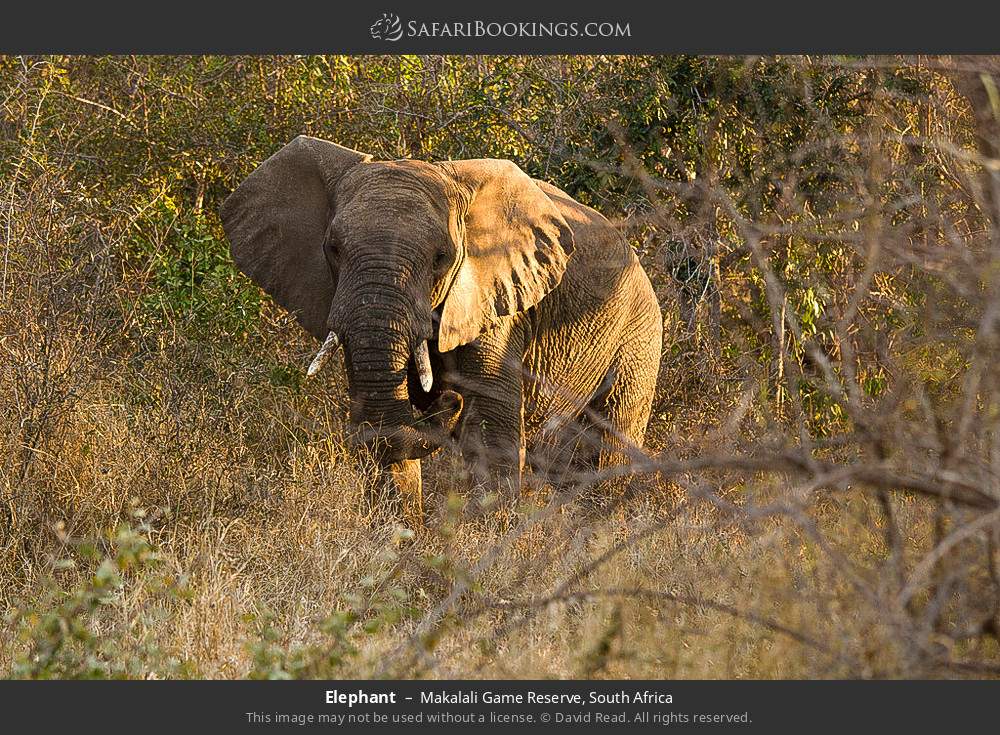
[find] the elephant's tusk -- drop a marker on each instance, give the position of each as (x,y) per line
(329,345)
(423,360)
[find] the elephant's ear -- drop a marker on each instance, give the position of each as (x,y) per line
(276,222)
(514,250)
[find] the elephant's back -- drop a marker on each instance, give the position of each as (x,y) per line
(599,246)
(603,265)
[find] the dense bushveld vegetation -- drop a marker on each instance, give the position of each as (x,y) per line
(820,494)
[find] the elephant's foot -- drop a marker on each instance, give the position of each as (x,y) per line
(399,492)
(495,494)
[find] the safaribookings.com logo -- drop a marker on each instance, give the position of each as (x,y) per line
(390,28)
(387,28)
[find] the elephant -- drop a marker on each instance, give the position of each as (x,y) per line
(472,303)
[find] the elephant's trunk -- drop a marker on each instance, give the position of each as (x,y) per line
(421,360)
(423,436)
(381,407)
(381,338)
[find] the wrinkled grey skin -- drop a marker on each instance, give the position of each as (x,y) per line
(538,316)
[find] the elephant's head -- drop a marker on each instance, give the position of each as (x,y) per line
(384,257)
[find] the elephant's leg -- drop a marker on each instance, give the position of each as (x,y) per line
(398,490)
(616,418)
(493,445)
(397,487)
(628,403)
(492,432)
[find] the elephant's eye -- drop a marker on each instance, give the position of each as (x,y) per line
(441,260)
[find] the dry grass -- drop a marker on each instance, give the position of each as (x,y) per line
(253,507)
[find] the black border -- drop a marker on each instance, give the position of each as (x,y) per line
(664,26)
(771,706)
